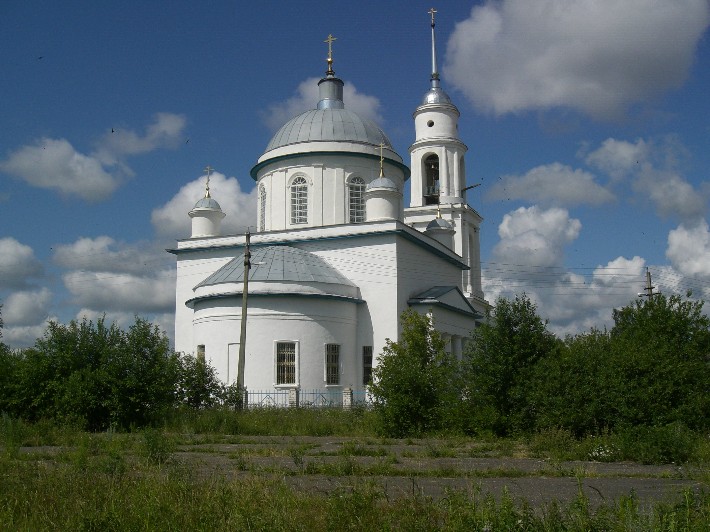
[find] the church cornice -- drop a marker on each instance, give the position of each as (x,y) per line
(398,229)
(255,170)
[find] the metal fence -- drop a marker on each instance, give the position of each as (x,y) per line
(295,397)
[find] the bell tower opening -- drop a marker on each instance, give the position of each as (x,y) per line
(431,180)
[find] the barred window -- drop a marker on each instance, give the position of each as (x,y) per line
(299,201)
(332,364)
(262,207)
(356,198)
(366,364)
(285,363)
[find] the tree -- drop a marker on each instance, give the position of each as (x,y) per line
(577,387)
(96,375)
(415,385)
(498,366)
(661,349)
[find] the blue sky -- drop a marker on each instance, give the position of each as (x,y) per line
(588,124)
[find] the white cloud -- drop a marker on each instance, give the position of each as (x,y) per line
(104,254)
(172,220)
(554,184)
(26,307)
(597,57)
(307,97)
(18,264)
(535,237)
(653,168)
(165,131)
(24,335)
(619,158)
(124,292)
(530,258)
(55,164)
(689,250)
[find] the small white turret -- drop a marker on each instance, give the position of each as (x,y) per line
(382,197)
(206,214)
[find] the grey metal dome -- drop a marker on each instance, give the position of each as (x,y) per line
(382,182)
(439,224)
(207,203)
(436,95)
(329,125)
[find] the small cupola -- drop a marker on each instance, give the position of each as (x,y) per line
(441,230)
(206,214)
(382,197)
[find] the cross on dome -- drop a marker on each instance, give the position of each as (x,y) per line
(208,169)
(330,40)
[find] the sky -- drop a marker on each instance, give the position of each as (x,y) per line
(587,124)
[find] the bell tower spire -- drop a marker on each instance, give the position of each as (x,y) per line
(434,69)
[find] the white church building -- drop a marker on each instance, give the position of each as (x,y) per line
(336,257)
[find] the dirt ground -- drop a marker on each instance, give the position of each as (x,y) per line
(431,468)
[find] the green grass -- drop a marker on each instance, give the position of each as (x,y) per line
(36,496)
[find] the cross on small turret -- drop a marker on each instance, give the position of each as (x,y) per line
(208,170)
(431,12)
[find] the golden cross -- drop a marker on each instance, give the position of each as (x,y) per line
(382,160)
(330,40)
(208,169)
(431,12)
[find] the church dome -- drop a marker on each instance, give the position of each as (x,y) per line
(207,203)
(436,95)
(439,224)
(329,125)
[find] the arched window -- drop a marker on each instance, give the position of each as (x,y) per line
(299,201)
(431,180)
(262,207)
(356,200)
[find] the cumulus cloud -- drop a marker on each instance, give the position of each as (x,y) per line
(653,169)
(306,98)
(20,336)
(165,131)
(55,164)
(18,264)
(530,258)
(535,237)
(26,307)
(689,250)
(172,221)
(125,292)
(594,57)
(103,254)
(552,184)
(619,158)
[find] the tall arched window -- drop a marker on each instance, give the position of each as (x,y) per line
(431,180)
(299,201)
(262,207)
(356,200)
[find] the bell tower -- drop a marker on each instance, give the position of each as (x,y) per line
(438,181)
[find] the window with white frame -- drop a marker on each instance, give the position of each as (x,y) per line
(332,364)
(366,364)
(356,200)
(299,201)
(262,207)
(285,362)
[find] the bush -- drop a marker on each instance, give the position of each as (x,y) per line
(415,387)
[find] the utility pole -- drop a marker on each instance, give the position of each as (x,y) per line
(649,287)
(243,334)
